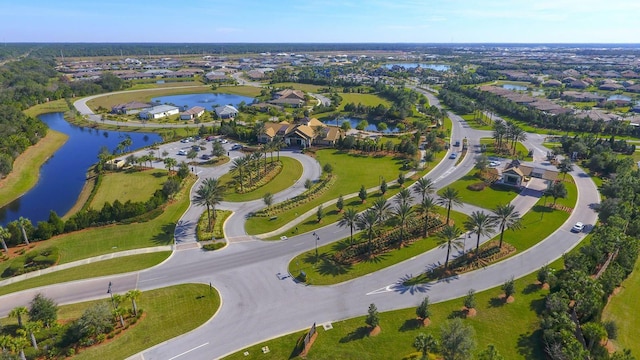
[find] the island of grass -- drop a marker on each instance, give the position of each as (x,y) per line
(135,185)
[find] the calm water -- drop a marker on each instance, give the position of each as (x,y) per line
(63,175)
(354,122)
(514,87)
(207,101)
(618,97)
(436,67)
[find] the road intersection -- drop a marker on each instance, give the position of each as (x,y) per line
(259,303)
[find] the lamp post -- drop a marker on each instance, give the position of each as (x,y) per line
(111,293)
(317,238)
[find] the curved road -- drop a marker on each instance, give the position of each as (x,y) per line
(259,303)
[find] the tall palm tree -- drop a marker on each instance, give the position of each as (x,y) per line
(481,224)
(24,222)
(499,132)
(118,312)
(257,156)
(170,163)
(209,194)
(248,160)
(349,218)
(403,197)
(278,143)
(424,186)
(367,221)
(565,167)
(403,212)
(18,344)
(33,327)
(449,197)
(517,134)
(4,235)
(382,210)
(507,217)
(450,238)
(133,295)
(18,312)
(426,207)
(239,165)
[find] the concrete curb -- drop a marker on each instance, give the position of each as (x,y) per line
(91,260)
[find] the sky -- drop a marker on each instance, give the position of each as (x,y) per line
(321,21)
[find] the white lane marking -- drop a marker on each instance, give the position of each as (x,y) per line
(188,351)
(444,175)
(381,290)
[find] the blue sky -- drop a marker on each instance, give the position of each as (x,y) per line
(395,21)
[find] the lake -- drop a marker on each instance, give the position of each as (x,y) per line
(354,122)
(63,175)
(207,101)
(618,97)
(436,67)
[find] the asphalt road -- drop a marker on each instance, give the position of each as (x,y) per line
(261,301)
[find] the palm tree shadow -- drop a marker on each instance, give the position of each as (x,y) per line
(357,334)
(341,245)
(165,236)
(401,286)
(375,258)
(329,267)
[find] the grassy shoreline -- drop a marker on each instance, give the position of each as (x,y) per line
(26,167)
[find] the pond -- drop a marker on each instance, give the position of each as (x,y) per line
(514,87)
(355,121)
(618,97)
(207,101)
(436,67)
(63,175)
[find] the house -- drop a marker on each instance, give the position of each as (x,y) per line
(193,113)
(610,86)
(158,112)
(577,84)
(132,107)
(226,112)
(289,97)
(582,96)
(515,174)
(304,134)
(114,164)
(552,83)
(217,76)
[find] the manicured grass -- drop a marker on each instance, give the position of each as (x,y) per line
(512,328)
(108,101)
(48,107)
(520,150)
(217,231)
(327,273)
(108,239)
(297,86)
(133,185)
(137,85)
(475,124)
(250,91)
(26,167)
(352,171)
(364,99)
(168,312)
(623,309)
(102,268)
(291,172)
(488,198)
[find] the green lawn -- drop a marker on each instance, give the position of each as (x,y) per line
(475,124)
(102,268)
(512,328)
(352,171)
(48,107)
(168,312)
(488,198)
(291,172)
(623,309)
(326,273)
(520,150)
(26,167)
(250,91)
(364,99)
(133,185)
(297,86)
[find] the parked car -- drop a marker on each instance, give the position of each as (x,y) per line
(205,157)
(236,147)
(494,164)
(453,156)
(223,141)
(182,152)
(185,140)
(210,138)
(578,227)
(196,147)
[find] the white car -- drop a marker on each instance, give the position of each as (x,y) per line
(578,227)
(182,152)
(223,141)
(494,164)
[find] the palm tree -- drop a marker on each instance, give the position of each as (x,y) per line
(278,143)
(403,197)
(517,134)
(382,210)
(33,327)
(24,222)
(209,194)
(18,312)
(133,295)
(4,235)
(424,186)
(268,199)
(565,167)
(506,217)
(450,238)
(499,132)
(427,206)
(403,212)
(18,344)
(248,160)
(239,164)
(425,344)
(367,221)
(170,163)
(481,224)
(349,218)
(257,156)
(449,197)
(118,312)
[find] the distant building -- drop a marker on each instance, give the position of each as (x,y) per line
(226,112)
(130,107)
(158,112)
(289,97)
(193,113)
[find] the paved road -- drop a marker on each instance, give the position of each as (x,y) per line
(260,303)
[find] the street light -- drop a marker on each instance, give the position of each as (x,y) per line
(317,238)
(111,293)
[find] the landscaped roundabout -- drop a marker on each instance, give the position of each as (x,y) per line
(425,254)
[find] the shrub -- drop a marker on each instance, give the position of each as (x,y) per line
(213,246)
(479,186)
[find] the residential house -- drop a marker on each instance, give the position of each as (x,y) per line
(217,76)
(193,113)
(132,107)
(610,86)
(552,83)
(516,174)
(226,112)
(159,111)
(304,134)
(289,97)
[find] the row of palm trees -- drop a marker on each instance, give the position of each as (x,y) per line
(210,194)
(507,131)
(479,223)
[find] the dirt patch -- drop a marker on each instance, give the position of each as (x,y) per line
(375,331)
(469,312)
